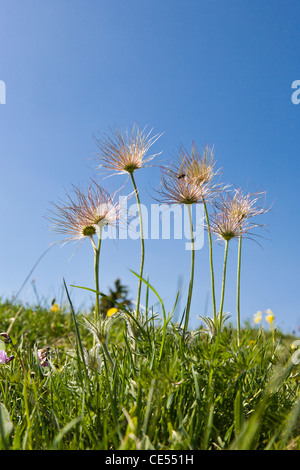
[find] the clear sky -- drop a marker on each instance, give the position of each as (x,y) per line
(216,72)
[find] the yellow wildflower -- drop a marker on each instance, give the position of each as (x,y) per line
(257,317)
(270,317)
(54,308)
(111,311)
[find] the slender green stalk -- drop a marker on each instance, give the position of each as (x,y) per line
(108,356)
(223,281)
(27,415)
(211,264)
(238,290)
(142,246)
(187,313)
(19,357)
(78,338)
(96,272)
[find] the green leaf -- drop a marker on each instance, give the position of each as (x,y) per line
(65,431)
(6,426)
(238,413)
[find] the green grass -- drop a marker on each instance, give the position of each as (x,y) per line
(161,390)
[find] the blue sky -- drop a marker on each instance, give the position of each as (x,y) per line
(216,72)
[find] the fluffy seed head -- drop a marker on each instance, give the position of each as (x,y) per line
(225,226)
(243,206)
(188,180)
(233,214)
(84,214)
(198,168)
(178,189)
(125,152)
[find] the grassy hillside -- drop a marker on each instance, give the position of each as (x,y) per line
(143,385)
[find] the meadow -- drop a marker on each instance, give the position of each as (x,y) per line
(167,391)
(127,376)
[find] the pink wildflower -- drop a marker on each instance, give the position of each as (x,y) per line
(4,359)
(43,356)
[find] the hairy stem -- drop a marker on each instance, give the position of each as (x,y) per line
(187,313)
(108,356)
(142,245)
(96,272)
(19,357)
(223,282)
(211,264)
(238,289)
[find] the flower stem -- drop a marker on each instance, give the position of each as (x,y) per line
(19,357)
(142,245)
(187,313)
(211,264)
(223,282)
(96,271)
(108,356)
(238,289)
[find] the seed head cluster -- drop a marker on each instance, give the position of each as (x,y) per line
(84,214)
(233,214)
(189,179)
(125,151)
